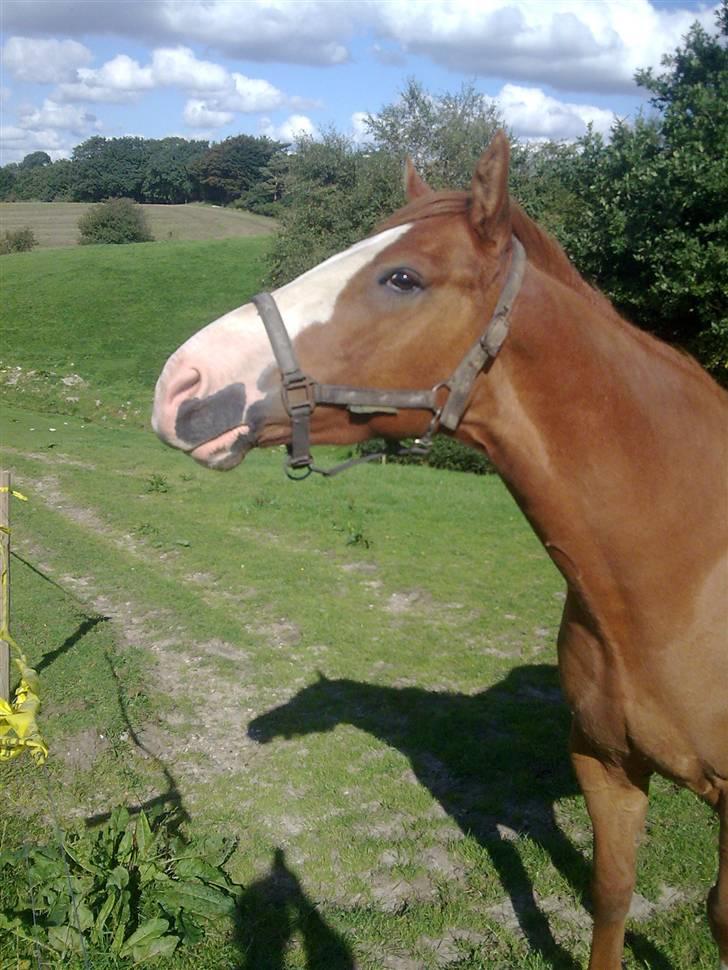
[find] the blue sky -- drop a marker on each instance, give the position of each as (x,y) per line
(213,68)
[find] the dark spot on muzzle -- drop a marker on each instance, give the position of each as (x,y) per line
(202,419)
(255,418)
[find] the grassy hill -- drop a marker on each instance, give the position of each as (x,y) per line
(56,223)
(87,330)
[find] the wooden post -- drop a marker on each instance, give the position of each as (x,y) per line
(5,493)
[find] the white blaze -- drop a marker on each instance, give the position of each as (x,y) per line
(234,349)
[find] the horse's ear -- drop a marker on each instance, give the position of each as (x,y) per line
(490,211)
(414,185)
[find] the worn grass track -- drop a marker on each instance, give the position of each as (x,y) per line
(355,677)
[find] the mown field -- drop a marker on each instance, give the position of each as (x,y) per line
(354,678)
(56,223)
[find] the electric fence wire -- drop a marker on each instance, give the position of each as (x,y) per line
(36,946)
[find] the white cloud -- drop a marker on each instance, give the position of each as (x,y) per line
(178,67)
(198,115)
(301,32)
(359,128)
(569,44)
(254,94)
(219,92)
(16,143)
(44,61)
(119,80)
(53,128)
(295,126)
(63,117)
(533,114)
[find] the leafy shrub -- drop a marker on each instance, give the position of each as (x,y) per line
(139,889)
(114,221)
(446,453)
(17,241)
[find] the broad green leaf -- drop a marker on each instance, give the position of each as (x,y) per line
(118,877)
(144,837)
(104,914)
(82,916)
(162,947)
(145,934)
(58,914)
(199,869)
(65,938)
(197,898)
(73,851)
(191,932)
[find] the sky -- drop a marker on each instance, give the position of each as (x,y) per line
(213,68)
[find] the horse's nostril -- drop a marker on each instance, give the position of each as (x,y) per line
(185,384)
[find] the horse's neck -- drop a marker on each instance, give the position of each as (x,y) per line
(597,432)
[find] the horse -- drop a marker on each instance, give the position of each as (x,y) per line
(460,315)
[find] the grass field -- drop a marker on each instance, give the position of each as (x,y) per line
(86,331)
(355,678)
(56,223)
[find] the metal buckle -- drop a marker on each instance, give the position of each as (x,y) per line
(298,394)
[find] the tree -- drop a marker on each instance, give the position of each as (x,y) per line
(168,174)
(35,159)
(8,178)
(651,225)
(336,192)
(444,135)
(333,195)
(107,168)
(231,167)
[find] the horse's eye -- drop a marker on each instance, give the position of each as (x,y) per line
(403,281)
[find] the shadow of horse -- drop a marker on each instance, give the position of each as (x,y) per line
(496,762)
(274,909)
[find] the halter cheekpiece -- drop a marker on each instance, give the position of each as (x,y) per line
(301,394)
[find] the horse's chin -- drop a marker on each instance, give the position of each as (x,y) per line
(226,450)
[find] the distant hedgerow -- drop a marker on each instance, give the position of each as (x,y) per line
(17,241)
(115,221)
(446,453)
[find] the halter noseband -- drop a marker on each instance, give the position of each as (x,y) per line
(300,393)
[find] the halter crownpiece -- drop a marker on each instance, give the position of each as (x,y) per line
(301,394)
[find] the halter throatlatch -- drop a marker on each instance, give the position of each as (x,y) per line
(301,394)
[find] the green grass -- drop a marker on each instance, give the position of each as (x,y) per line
(86,331)
(354,677)
(56,223)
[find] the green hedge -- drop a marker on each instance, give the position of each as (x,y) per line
(115,221)
(446,453)
(17,241)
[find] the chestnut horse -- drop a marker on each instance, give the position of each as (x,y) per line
(613,445)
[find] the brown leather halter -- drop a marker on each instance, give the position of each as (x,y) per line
(301,394)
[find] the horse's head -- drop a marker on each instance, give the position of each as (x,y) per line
(397,310)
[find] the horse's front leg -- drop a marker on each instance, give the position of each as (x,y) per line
(718,899)
(616,797)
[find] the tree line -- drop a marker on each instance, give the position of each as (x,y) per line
(642,214)
(162,170)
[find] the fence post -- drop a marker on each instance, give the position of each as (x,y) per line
(5,492)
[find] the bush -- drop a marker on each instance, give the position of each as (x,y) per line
(446,453)
(17,241)
(115,221)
